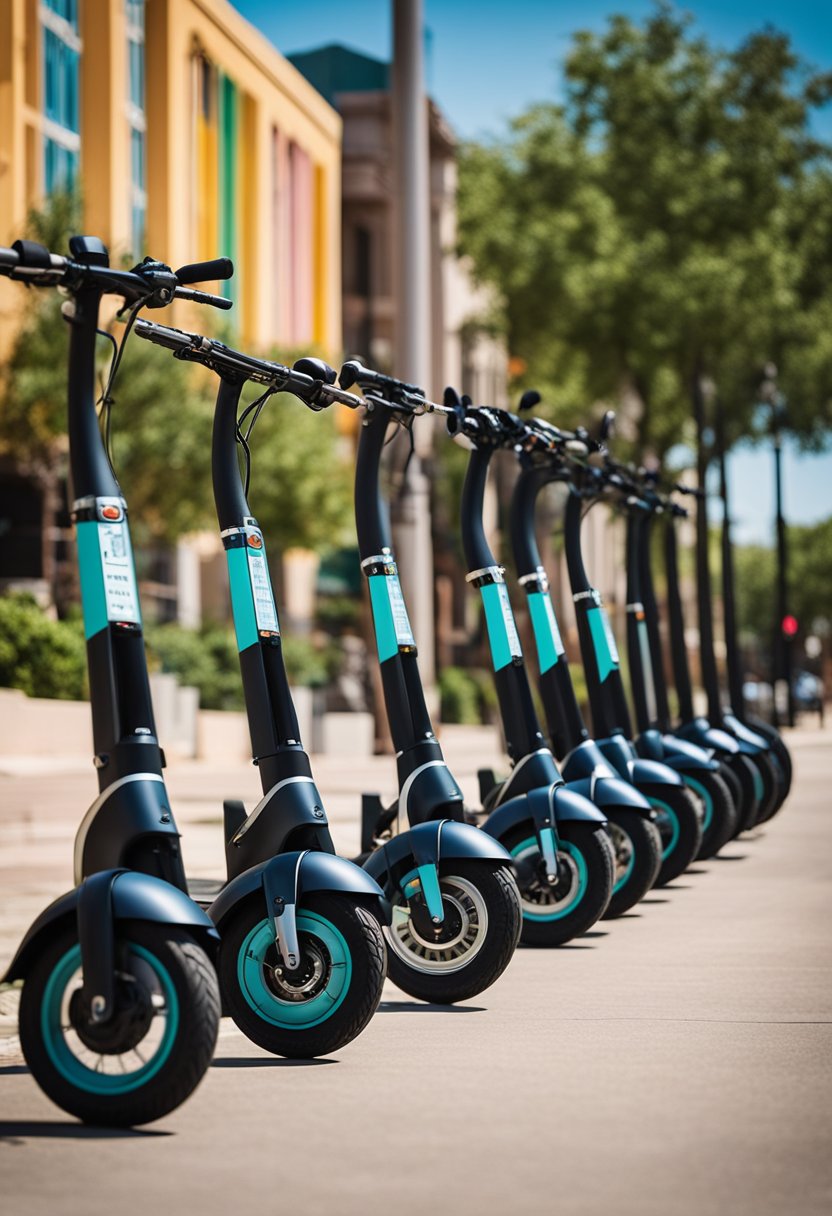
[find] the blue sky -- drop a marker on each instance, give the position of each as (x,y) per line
(489,59)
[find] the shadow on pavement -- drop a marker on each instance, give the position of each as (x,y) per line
(15,1131)
(265,1062)
(654,900)
(596,933)
(729,857)
(426,1007)
(12,1070)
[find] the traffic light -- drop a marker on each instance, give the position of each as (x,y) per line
(789,625)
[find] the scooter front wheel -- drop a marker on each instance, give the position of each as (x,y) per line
(680,827)
(463,956)
(781,753)
(150,1055)
(555,913)
(327,1000)
(773,783)
(720,816)
(638,856)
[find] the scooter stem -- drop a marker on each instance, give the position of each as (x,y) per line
(564,720)
(520,724)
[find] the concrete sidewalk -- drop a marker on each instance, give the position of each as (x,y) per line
(675,1061)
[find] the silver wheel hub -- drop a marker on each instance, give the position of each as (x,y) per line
(623,848)
(465,908)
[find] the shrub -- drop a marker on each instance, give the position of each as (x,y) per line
(460,697)
(206,658)
(44,658)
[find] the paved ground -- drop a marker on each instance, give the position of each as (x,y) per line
(677,1061)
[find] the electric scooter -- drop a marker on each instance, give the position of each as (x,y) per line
(302,958)
(557,838)
(120,1006)
(757,772)
(737,768)
(762,792)
(679,820)
(635,836)
(700,770)
(778,753)
(455,918)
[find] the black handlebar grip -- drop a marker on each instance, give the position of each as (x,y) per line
(32,254)
(205,272)
(316,369)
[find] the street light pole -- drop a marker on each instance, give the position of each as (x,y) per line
(411,510)
(782,641)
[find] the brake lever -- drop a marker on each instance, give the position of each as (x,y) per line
(203,297)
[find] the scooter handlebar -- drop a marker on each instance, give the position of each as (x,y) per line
(205,272)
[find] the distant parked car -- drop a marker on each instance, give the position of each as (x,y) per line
(807,690)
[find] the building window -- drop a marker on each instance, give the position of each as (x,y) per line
(61,118)
(137,122)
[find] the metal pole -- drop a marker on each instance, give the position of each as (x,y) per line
(707,655)
(411,512)
(784,648)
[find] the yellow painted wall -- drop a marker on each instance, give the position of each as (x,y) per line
(182,213)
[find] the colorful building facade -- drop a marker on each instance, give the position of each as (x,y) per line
(188,136)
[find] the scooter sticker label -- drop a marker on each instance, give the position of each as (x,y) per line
(265,612)
(120,592)
(392,624)
(401,621)
(502,630)
(546,633)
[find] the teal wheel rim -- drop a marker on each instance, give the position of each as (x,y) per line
(667,816)
(319,939)
(627,871)
(700,790)
(578,887)
(74,1061)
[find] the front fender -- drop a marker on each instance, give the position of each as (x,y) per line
(748,739)
(612,792)
(292,875)
(687,757)
(701,732)
(542,808)
(651,772)
(134,896)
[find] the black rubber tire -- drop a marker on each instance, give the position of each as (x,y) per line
(781,753)
(743,770)
(773,786)
(724,814)
(735,790)
(368,957)
(197,990)
(596,849)
(647,844)
(498,889)
(685,808)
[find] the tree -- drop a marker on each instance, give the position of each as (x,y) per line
(673,218)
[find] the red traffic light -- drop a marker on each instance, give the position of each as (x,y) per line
(789,625)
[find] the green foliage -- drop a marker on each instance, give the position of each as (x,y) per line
(810,574)
(44,658)
(301,484)
(467,695)
(673,218)
(206,658)
(459,697)
(810,579)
